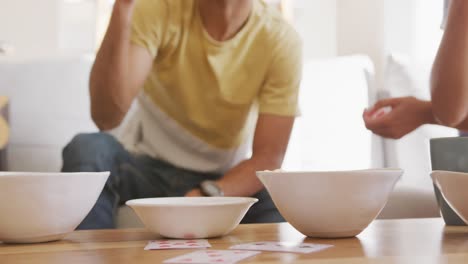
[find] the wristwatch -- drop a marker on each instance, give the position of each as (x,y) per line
(210,188)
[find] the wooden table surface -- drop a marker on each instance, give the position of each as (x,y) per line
(426,241)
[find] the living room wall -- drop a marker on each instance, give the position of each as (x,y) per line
(48,27)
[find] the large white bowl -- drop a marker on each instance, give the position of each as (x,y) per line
(330,204)
(454,188)
(191,217)
(41,207)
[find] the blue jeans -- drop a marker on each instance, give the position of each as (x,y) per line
(139,176)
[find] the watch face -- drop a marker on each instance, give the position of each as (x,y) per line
(210,188)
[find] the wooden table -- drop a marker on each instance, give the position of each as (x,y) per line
(385,241)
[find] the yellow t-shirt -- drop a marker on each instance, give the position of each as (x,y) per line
(209,91)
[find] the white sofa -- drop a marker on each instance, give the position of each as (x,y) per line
(49,104)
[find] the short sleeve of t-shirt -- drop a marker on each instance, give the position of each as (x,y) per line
(150,19)
(279,94)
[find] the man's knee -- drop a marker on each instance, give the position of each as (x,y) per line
(92,147)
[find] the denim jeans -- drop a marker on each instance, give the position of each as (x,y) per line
(139,176)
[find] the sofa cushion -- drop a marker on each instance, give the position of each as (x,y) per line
(410,202)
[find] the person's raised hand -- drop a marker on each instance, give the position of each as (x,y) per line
(396,117)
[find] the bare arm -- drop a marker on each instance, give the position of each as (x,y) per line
(270,143)
(450,72)
(408,113)
(119,71)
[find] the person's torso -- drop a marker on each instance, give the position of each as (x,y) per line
(200,97)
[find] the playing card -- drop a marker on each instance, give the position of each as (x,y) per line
(381,112)
(177,244)
(213,257)
(282,247)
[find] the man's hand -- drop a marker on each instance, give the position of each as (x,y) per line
(269,147)
(407,114)
(194,193)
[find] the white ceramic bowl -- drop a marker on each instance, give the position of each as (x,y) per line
(454,188)
(191,217)
(41,207)
(330,204)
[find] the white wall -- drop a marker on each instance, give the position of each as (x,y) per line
(29,25)
(42,28)
(379,28)
(77,27)
(399,32)
(360,29)
(413,28)
(316,22)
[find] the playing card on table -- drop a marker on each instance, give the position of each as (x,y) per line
(282,247)
(213,257)
(381,112)
(177,244)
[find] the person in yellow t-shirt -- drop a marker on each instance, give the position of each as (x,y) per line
(214,80)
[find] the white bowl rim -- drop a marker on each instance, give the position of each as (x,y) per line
(332,172)
(444,138)
(216,201)
(448,172)
(4,174)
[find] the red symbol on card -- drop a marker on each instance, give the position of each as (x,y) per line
(187,260)
(218,260)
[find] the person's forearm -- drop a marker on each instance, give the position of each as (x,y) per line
(449,82)
(242,180)
(110,94)
(430,118)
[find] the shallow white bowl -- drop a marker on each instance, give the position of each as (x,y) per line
(454,188)
(191,217)
(330,204)
(41,207)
